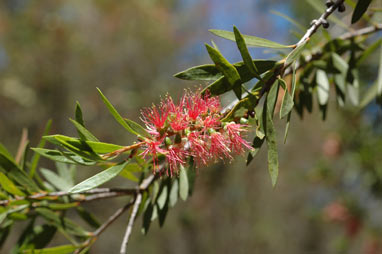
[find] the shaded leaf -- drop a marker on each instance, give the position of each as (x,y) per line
(293,88)
(61,222)
(162,198)
(249,40)
(270,135)
(359,10)
(287,102)
(88,217)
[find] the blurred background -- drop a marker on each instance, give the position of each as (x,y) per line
(54,53)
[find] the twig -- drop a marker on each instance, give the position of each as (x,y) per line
(122,150)
(318,22)
(104,226)
(130,225)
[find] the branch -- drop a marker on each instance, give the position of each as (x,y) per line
(130,225)
(316,23)
(345,36)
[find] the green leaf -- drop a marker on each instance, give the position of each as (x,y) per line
(270,135)
(368,52)
(61,222)
(120,120)
(63,206)
(225,67)
(245,53)
(36,156)
(173,198)
(98,179)
(209,72)
(287,18)
(162,198)
(257,143)
(272,97)
(88,217)
(137,128)
(287,102)
(183,184)
(249,40)
(379,80)
(97,147)
(9,186)
(369,95)
(83,132)
(55,180)
(64,157)
(359,10)
(63,249)
(293,92)
(6,153)
(206,72)
(127,172)
(15,173)
(78,114)
(322,87)
(295,54)
(148,212)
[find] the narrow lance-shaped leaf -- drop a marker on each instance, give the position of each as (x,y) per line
(293,91)
(36,156)
(228,70)
(295,54)
(132,128)
(173,197)
(270,135)
(379,81)
(55,180)
(64,157)
(98,179)
(9,186)
(245,53)
(183,184)
(64,249)
(83,132)
(287,102)
(359,10)
(322,87)
(249,40)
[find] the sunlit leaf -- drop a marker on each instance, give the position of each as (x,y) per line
(295,54)
(55,180)
(183,184)
(36,156)
(249,40)
(9,186)
(245,53)
(322,87)
(64,249)
(64,157)
(83,132)
(129,125)
(98,179)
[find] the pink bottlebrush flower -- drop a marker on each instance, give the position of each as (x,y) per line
(219,147)
(198,149)
(237,142)
(155,118)
(175,157)
(153,148)
(191,128)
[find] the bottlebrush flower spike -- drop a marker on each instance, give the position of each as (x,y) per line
(191,128)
